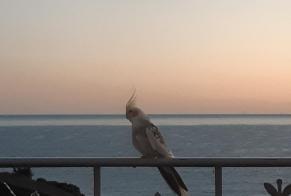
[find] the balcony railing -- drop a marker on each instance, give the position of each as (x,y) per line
(98,163)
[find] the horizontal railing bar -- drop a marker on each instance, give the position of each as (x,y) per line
(138,162)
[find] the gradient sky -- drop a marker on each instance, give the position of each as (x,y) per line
(67,56)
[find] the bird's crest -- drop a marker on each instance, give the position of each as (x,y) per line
(132,100)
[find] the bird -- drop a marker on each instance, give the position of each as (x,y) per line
(149,141)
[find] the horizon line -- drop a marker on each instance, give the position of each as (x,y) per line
(153,114)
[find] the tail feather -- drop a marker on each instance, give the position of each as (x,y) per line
(183,192)
(174,180)
(179,179)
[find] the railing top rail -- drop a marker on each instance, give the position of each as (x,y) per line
(138,162)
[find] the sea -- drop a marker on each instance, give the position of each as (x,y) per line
(186,135)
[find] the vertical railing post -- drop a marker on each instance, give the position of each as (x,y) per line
(97,181)
(218,181)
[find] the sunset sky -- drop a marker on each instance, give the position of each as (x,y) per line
(86,57)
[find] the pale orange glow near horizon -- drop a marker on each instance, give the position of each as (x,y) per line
(67,57)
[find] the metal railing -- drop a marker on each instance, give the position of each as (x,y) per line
(98,163)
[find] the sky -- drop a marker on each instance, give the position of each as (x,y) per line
(199,56)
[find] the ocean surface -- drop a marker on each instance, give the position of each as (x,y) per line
(186,135)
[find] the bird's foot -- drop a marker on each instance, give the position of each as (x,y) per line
(149,157)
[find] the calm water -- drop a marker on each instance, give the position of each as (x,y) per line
(187,135)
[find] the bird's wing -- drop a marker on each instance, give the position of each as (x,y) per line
(157,141)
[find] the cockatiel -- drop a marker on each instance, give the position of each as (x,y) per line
(150,143)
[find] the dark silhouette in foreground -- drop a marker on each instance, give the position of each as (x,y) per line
(278,192)
(20,182)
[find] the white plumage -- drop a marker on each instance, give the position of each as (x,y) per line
(148,140)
